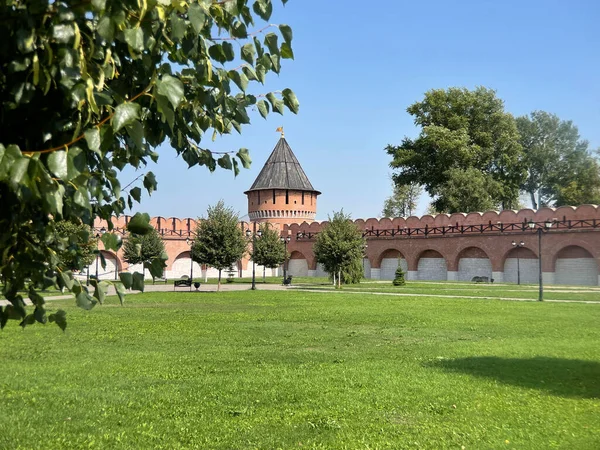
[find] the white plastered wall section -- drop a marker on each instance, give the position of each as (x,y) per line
(432,269)
(474,267)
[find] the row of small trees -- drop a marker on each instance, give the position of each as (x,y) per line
(220,242)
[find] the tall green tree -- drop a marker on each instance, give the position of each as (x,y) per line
(340,248)
(98,86)
(81,245)
(560,168)
(268,250)
(462,131)
(144,248)
(219,240)
(403,200)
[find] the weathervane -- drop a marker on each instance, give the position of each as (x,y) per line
(280,129)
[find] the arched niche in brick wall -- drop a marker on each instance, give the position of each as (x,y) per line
(432,266)
(575,265)
(521,263)
(473,262)
(388,263)
(297,264)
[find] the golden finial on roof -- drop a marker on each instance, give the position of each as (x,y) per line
(280,129)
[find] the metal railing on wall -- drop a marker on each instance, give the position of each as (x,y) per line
(459,230)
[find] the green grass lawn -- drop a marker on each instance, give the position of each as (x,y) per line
(294,369)
(527,292)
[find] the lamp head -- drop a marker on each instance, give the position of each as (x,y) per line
(259,232)
(248,232)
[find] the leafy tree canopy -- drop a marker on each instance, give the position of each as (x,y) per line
(461,131)
(269,250)
(81,248)
(143,248)
(560,168)
(219,241)
(88,88)
(340,248)
(403,201)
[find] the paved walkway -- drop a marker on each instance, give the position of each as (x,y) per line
(225,287)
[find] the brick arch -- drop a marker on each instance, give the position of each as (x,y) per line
(473,261)
(429,266)
(298,264)
(388,253)
(520,264)
(574,264)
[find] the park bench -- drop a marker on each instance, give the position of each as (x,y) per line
(480,279)
(287,281)
(184,281)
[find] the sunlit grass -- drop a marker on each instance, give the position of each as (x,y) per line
(294,369)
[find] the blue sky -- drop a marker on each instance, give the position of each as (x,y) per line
(359,65)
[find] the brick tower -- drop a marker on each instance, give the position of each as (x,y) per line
(282,192)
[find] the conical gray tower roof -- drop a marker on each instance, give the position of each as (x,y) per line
(282,171)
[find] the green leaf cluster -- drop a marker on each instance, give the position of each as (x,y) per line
(98,86)
(80,245)
(268,249)
(219,240)
(340,248)
(560,168)
(403,200)
(462,132)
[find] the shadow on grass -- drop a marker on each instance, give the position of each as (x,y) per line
(558,376)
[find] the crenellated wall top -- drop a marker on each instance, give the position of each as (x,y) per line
(185,226)
(563,213)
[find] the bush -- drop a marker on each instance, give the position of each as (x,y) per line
(399,275)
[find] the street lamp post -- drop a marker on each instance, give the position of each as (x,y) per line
(365,257)
(253,233)
(518,245)
(540,229)
(286,241)
(189,242)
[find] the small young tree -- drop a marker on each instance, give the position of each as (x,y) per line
(399,275)
(340,248)
(268,251)
(79,252)
(219,240)
(143,248)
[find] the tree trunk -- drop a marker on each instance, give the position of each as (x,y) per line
(339,279)
(533,203)
(219,283)
(264,274)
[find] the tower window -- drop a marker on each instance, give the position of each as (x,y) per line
(287,197)
(259,197)
(303,197)
(273,196)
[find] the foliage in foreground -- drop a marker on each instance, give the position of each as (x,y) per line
(98,86)
(219,240)
(279,369)
(340,248)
